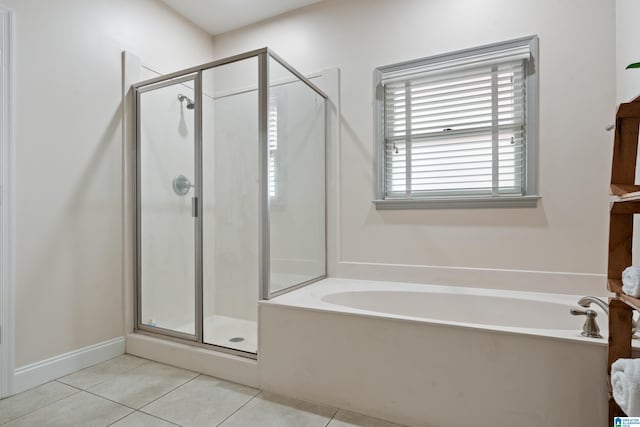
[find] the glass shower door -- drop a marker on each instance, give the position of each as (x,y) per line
(167,208)
(296,142)
(230,196)
(231,212)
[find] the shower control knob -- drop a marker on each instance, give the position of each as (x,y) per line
(181,185)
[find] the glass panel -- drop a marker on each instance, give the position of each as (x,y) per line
(167,232)
(297,181)
(231,188)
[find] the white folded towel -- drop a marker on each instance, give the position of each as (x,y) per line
(625,384)
(631,281)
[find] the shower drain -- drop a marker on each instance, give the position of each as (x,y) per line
(236,339)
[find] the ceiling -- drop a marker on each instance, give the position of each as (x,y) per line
(218,16)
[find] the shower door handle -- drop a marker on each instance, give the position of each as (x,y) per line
(194,207)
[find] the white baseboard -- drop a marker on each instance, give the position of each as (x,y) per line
(38,373)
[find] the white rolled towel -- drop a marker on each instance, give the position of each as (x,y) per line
(625,384)
(631,281)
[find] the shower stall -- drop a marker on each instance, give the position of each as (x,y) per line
(230,196)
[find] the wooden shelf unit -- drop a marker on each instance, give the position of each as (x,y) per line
(625,203)
(624,193)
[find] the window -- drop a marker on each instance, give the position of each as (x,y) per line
(459,130)
(272,138)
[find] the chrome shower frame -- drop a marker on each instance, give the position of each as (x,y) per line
(195,74)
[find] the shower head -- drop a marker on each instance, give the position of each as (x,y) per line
(190,104)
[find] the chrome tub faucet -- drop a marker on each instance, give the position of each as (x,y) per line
(588,327)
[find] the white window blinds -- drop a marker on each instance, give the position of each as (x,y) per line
(272,138)
(456,130)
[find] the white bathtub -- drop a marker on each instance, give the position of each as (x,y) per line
(435,355)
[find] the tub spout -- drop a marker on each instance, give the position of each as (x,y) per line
(586,302)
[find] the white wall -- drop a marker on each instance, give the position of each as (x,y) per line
(562,244)
(627,49)
(69,145)
(69,266)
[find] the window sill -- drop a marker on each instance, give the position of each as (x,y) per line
(458,203)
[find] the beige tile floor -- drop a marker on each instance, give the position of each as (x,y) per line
(128,391)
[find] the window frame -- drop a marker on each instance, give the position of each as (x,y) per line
(530,196)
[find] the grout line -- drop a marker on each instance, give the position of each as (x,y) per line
(60,380)
(42,407)
(332,417)
(130,407)
(146,404)
(241,406)
(102,397)
(159,418)
(121,418)
(125,405)
(173,389)
(149,415)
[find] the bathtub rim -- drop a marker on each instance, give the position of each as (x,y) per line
(292,301)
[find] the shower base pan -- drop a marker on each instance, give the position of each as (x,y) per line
(224,331)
